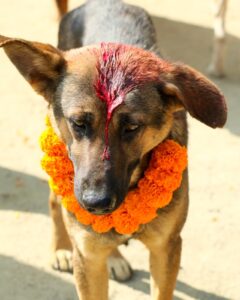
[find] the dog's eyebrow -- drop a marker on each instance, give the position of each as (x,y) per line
(126,118)
(81,117)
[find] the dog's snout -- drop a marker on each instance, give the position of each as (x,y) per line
(98,205)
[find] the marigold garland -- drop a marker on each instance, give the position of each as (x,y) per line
(140,206)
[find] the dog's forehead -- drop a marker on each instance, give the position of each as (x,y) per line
(140,65)
(113,70)
(109,72)
(80,63)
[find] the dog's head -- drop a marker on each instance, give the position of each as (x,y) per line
(112,104)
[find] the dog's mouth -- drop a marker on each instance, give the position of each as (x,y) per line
(100,212)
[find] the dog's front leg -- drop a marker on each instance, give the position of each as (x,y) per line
(90,270)
(61,246)
(164,266)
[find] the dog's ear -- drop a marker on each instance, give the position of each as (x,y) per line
(191,90)
(40,64)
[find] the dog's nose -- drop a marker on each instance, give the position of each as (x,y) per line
(98,205)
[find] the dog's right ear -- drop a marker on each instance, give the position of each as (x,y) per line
(190,89)
(40,64)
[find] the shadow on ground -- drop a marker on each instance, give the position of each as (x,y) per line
(26,288)
(28,282)
(22,192)
(140,282)
(193,45)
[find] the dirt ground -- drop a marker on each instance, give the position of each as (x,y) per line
(210,267)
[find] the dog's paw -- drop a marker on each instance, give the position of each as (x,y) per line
(62,260)
(119,269)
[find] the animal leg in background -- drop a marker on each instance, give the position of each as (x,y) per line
(62,6)
(216,66)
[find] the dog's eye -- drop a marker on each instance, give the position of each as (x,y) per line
(80,128)
(130,130)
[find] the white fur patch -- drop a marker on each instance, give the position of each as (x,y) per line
(62,260)
(118,268)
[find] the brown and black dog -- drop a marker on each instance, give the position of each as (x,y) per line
(154,109)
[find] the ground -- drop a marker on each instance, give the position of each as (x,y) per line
(211,244)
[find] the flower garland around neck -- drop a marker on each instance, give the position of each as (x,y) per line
(155,190)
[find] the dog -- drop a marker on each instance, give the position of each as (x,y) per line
(153,110)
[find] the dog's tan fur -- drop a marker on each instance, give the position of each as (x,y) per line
(40,65)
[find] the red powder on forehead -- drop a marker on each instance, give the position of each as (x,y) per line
(122,68)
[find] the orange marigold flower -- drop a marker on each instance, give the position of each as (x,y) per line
(103,223)
(123,222)
(154,191)
(83,216)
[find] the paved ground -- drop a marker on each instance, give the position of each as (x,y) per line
(211,250)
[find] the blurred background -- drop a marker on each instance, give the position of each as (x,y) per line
(210,268)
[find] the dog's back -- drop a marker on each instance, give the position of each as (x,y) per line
(107,21)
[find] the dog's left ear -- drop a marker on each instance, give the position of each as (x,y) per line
(40,64)
(189,89)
